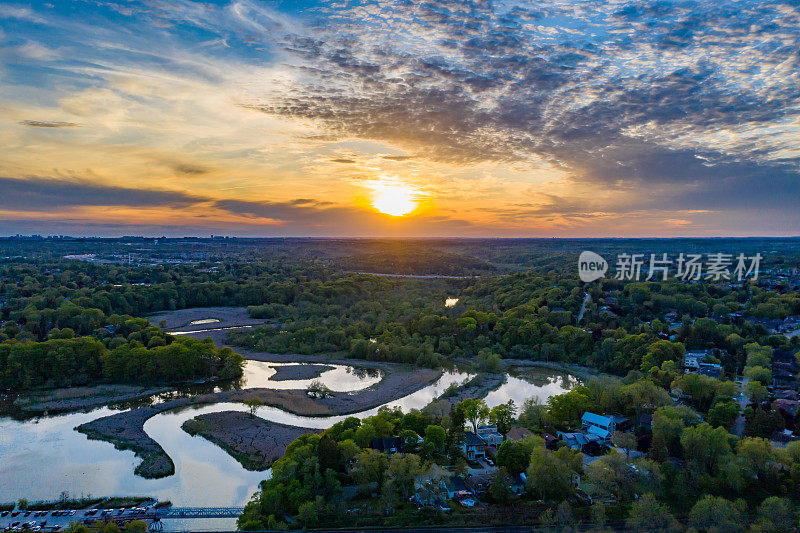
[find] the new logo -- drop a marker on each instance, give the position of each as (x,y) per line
(591,266)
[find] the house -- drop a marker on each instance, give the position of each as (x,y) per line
(621,423)
(490,435)
(479,483)
(389,445)
(518,433)
(518,484)
(584,442)
(453,485)
(711,370)
(473,447)
(694,358)
(599,425)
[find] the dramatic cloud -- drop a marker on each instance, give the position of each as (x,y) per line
(700,94)
(48,194)
(565,117)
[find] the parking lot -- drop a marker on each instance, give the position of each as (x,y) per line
(57,520)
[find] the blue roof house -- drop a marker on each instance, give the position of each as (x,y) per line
(599,425)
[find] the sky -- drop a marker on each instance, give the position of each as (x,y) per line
(403,118)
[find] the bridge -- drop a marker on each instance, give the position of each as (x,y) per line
(199,512)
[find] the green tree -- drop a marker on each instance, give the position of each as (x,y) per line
(308,514)
(370,467)
(550,475)
(625,440)
(715,514)
(516,456)
(253,404)
(503,415)
(435,438)
(400,475)
(475,411)
(668,425)
(724,414)
(136,526)
(567,409)
(647,514)
(755,391)
(776,515)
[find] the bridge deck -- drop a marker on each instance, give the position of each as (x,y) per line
(200,512)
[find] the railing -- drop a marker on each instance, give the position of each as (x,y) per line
(199,512)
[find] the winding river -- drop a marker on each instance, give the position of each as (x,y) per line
(41,458)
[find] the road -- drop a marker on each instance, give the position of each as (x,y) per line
(586,300)
(738,427)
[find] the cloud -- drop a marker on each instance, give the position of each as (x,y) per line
(53,194)
(517,115)
(49,124)
(612,92)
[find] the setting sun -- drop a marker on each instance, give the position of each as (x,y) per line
(393,197)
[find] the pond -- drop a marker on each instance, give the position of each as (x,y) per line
(40,458)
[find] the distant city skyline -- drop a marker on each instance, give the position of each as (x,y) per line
(382,118)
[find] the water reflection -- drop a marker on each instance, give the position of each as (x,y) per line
(40,458)
(540,383)
(341,379)
(203,321)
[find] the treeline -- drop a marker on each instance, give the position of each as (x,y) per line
(66,362)
(524,316)
(693,473)
(80,295)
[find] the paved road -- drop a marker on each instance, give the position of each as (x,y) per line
(738,427)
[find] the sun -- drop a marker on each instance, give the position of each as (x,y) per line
(393,197)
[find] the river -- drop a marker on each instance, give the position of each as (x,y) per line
(42,457)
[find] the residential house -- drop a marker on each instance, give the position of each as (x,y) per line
(599,425)
(711,370)
(473,447)
(693,359)
(453,485)
(621,423)
(585,442)
(479,483)
(518,433)
(490,435)
(389,445)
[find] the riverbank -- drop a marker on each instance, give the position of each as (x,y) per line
(126,429)
(251,440)
(54,401)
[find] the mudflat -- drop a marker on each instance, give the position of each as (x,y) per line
(293,372)
(223,317)
(249,439)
